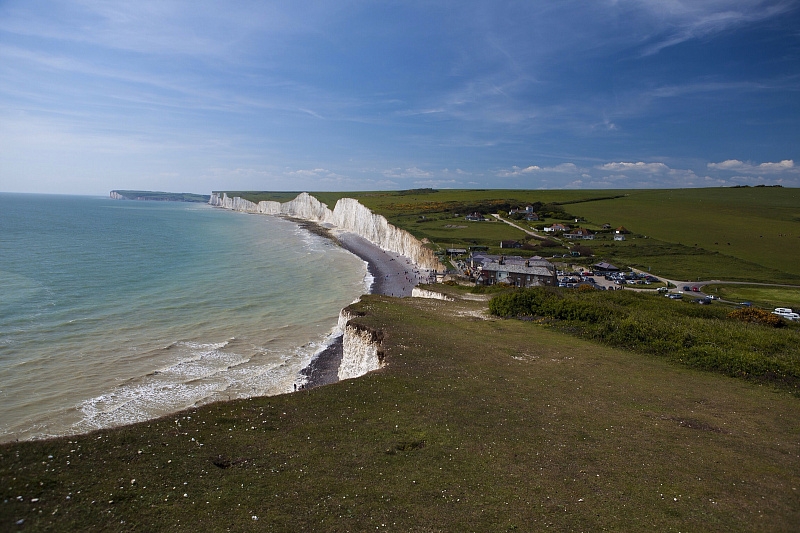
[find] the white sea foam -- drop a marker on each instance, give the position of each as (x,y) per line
(122,335)
(369,279)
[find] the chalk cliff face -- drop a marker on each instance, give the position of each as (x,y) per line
(361,351)
(416,292)
(361,347)
(348,215)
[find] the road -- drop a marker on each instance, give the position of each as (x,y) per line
(677,283)
(529,232)
(700,284)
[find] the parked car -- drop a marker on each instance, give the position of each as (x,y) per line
(695,289)
(786,313)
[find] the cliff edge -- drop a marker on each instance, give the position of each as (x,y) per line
(348,215)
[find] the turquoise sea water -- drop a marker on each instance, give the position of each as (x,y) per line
(119,311)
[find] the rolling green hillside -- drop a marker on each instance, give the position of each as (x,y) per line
(474,425)
(744,234)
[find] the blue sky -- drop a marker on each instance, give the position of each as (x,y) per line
(366,95)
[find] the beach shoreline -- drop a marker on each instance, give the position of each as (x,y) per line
(392,274)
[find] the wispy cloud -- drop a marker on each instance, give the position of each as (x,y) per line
(734,165)
(512,94)
(677,21)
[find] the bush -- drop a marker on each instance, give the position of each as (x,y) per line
(707,338)
(758,316)
(550,243)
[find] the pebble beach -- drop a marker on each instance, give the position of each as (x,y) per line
(393,275)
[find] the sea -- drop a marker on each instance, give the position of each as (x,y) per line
(119,311)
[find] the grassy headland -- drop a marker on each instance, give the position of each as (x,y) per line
(479,423)
(475,424)
(158,196)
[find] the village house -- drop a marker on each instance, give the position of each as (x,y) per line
(528,213)
(621,230)
(557,228)
(456,251)
(514,270)
(510,244)
(475,217)
(605,267)
(580,233)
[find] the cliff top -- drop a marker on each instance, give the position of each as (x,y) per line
(159,196)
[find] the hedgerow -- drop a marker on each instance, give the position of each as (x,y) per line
(749,343)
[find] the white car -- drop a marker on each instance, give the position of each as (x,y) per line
(782,310)
(788,316)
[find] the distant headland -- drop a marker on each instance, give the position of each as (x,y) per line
(158,196)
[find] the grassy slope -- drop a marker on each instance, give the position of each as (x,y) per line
(762,225)
(762,296)
(474,425)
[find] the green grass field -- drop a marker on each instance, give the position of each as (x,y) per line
(474,425)
(767,297)
(740,234)
(759,226)
(735,234)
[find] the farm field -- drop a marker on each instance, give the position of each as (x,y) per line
(758,225)
(742,234)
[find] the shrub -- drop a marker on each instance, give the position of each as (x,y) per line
(758,316)
(707,338)
(550,243)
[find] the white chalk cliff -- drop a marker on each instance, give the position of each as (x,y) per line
(361,346)
(361,352)
(348,215)
(416,292)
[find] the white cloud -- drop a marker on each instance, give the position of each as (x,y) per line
(640,166)
(563,168)
(438,184)
(412,172)
(313,173)
(734,165)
